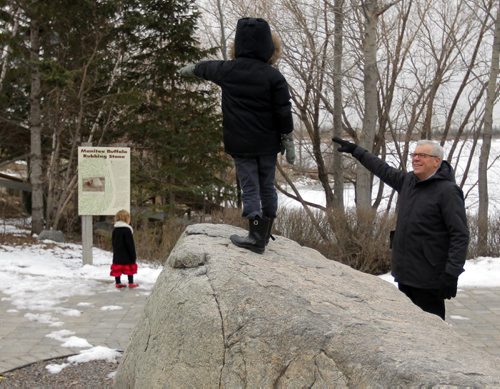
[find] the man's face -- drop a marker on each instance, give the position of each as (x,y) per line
(423,162)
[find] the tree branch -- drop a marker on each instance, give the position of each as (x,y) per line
(304,203)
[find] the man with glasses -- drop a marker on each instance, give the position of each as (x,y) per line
(429,245)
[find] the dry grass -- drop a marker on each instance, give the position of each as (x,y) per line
(358,240)
(17,240)
(157,241)
(231,216)
(10,205)
(363,241)
(493,248)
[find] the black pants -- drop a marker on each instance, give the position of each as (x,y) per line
(427,299)
(256,177)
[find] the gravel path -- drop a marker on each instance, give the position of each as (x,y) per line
(88,375)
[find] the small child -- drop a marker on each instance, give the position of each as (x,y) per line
(124,256)
(257,122)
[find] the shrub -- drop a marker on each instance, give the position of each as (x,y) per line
(358,240)
(493,248)
(155,241)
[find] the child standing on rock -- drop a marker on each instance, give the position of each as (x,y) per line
(124,257)
(257,122)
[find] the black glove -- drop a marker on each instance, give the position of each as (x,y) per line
(345,146)
(448,285)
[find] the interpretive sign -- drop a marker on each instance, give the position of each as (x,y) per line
(103,180)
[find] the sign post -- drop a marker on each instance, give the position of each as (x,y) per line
(103,187)
(87,239)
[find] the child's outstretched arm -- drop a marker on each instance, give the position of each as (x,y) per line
(206,70)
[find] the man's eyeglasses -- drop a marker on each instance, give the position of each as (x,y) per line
(422,155)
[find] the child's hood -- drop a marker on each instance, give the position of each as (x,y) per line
(253,39)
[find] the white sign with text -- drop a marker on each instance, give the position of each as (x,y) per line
(103,180)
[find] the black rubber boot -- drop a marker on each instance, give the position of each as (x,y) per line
(256,239)
(269,231)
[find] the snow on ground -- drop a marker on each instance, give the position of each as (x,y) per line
(57,272)
(92,354)
(482,272)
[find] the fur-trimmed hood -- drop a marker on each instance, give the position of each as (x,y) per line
(123,224)
(254,40)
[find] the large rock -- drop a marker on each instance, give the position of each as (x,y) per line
(54,235)
(220,316)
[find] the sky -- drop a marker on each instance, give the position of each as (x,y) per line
(60,265)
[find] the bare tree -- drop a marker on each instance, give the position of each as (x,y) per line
(216,31)
(370,79)
(307,44)
(442,44)
(338,179)
(371,11)
(408,69)
(491,95)
(470,63)
(36,177)
(306,35)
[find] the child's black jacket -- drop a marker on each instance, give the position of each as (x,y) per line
(255,98)
(123,246)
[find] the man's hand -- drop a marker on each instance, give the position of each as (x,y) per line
(345,146)
(188,70)
(448,285)
(288,147)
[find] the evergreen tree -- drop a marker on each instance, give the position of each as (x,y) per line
(14,86)
(73,66)
(108,74)
(177,125)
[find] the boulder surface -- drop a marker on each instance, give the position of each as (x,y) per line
(221,316)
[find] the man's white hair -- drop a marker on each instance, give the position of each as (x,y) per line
(437,150)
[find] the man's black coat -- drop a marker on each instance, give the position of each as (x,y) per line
(431,234)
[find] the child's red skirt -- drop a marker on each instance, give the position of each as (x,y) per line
(118,270)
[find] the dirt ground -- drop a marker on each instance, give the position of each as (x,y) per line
(89,375)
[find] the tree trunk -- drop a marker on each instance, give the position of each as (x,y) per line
(370,78)
(486,146)
(36,132)
(224,51)
(338,179)
(223,39)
